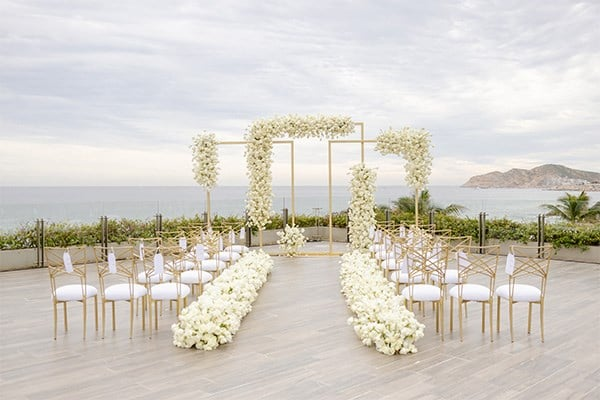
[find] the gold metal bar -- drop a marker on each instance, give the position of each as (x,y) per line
(208,207)
(330,199)
(293,184)
(362,144)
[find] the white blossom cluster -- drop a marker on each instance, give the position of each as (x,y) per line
(216,315)
(381,319)
(361,211)
(205,160)
(415,146)
(291,239)
(259,154)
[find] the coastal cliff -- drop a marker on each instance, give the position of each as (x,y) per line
(549,176)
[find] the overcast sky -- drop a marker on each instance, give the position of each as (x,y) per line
(112,92)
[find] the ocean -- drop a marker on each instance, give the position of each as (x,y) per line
(22,205)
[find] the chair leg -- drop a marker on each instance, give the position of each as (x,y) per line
(65,319)
(460,318)
(103,311)
(131,319)
(143,311)
(482,317)
(491,320)
(529,319)
(510,317)
(441,311)
(96,312)
(84,302)
(498,315)
(114,322)
(542,320)
(55,315)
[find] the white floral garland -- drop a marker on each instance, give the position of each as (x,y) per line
(381,319)
(414,145)
(361,213)
(291,239)
(259,154)
(205,160)
(216,315)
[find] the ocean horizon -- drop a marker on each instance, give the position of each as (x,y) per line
(20,205)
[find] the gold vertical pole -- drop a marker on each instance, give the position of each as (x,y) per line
(260,237)
(362,142)
(417,208)
(293,185)
(208,207)
(330,201)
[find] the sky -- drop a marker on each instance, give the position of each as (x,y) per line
(112,93)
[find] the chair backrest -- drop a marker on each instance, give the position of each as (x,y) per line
(529,262)
(455,242)
(115,263)
(63,261)
(478,261)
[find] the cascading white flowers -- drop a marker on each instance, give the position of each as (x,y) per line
(361,212)
(259,154)
(291,239)
(216,315)
(381,319)
(414,145)
(205,160)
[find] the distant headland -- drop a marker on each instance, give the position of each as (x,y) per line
(548,176)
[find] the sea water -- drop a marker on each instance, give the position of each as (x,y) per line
(23,205)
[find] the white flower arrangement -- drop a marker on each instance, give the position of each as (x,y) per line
(216,315)
(205,160)
(291,239)
(361,212)
(381,319)
(259,154)
(415,146)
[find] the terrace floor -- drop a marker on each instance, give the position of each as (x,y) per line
(296,344)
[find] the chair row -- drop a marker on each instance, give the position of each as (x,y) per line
(436,269)
(148,273)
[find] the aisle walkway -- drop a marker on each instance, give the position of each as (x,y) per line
(296,344)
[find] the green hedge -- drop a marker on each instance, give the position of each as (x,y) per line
(65,234)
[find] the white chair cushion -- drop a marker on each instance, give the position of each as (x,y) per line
(389,263)
(237,248)
(168,291)
(184,265)
(402,277)
(122,291)
(74,292)
(422,292)
(451,276)
(227,256)
(154,278)
(213,265)
(195,277)
(377,247)
(472,292)
(521,293)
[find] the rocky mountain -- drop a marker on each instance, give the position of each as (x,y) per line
(549,176)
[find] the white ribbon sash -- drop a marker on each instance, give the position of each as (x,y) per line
(242,234)
(112,263)
(510,263)
(231,237)
(67,262)
(159,264)
(183,243)
(199,252)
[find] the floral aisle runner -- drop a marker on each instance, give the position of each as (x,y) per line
(381,319)
(216,316)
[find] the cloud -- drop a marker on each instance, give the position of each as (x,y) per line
(512,84)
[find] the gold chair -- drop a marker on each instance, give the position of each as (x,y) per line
(423,261)
(70,265)
(479,263)
(530,265)
(166,260)
(117,274)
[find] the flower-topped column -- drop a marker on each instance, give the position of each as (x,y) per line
(361,212)
(205,164)
(414,145)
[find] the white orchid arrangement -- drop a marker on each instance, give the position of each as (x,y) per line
(205,160)
(381,319)
(291,239)
(414,145)
(216,315)
(259,154)
(361,212)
